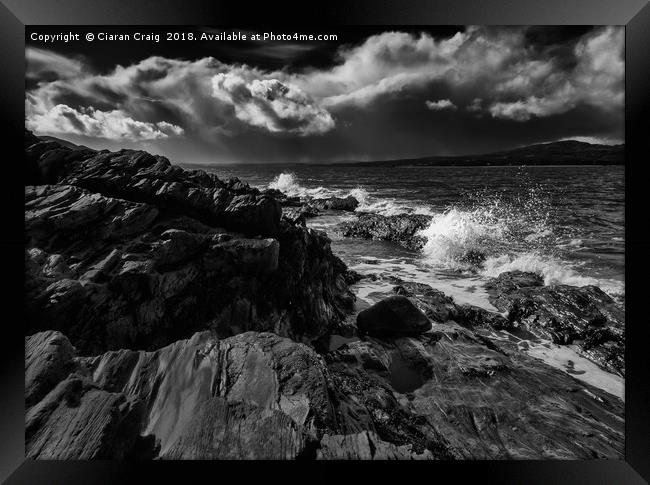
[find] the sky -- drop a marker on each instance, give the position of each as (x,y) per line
(371,94)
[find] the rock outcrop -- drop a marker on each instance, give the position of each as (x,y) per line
(138,176)
(125,250)
(401,229)
(348,203)
(395,315)
(585,316)
(441,308)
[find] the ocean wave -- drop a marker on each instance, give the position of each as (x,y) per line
(289,184)
(553,271)
(491,240)
(455,234)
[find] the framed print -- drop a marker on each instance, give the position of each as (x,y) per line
(376,237)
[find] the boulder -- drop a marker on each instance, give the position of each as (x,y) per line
(395,315)
(299,214)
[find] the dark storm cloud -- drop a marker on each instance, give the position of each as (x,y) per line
(394,94)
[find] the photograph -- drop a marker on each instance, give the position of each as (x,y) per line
(360,243)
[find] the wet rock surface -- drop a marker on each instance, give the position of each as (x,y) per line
(441,308)
(585,315)
(401,229)
(474,400)
(258,395)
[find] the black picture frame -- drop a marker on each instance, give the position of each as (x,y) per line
(634,14)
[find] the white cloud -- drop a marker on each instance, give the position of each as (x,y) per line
(596,80)
(271,104)
(441,104)
(498,65)
(113,125)
(205,95)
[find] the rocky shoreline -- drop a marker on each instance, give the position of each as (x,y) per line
(173,315)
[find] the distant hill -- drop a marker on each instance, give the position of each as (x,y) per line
(568,152)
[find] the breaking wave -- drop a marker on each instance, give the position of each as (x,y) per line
(554,271)
(486,236)
(289,184)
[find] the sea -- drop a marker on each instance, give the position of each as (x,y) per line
(564,222)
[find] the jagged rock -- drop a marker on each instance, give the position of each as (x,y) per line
(141,177)
(401,229)
(395,315)
(565,314)
(511,281)
(136,272)
(348,203)
(300,214)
